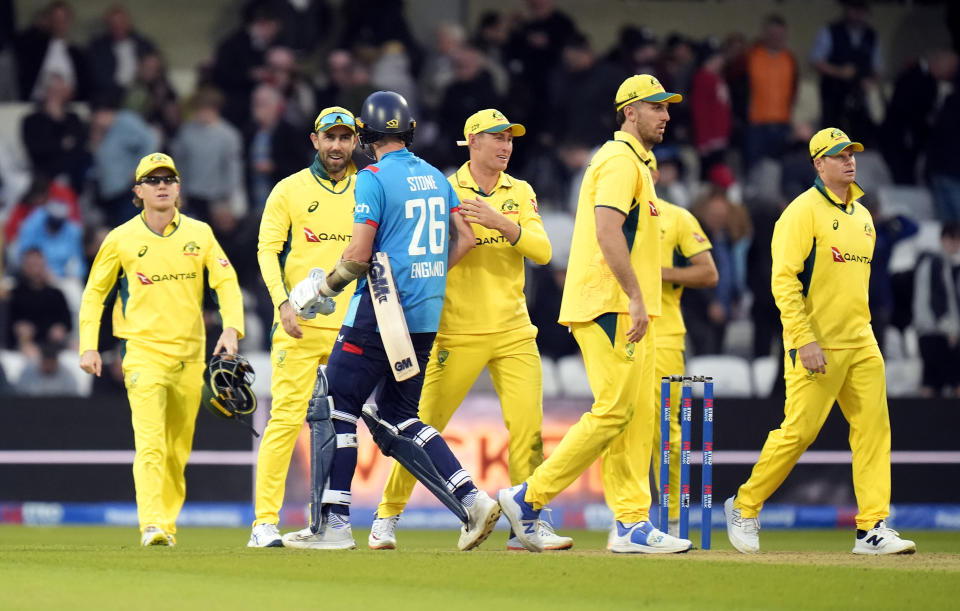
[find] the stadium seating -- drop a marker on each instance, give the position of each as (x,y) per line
(904,376)
(551,382)
(573,377)
(915,202)
(732,376)
(765,370)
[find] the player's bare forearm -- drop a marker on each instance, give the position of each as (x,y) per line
(613,245)
(462,239)
(360,247)
(700,274)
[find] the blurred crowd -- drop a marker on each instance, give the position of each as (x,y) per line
(732,153)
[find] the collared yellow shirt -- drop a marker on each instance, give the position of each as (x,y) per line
(485,288)
(306,223)
(160,297)
(681,238)
(617,178)
(822,248)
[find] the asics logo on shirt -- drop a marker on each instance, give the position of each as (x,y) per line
(142,252)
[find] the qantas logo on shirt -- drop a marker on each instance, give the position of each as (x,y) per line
(153,278)
(653,210)
(842,257)
(699,238)
(536,208)
(223,262)
(324,236)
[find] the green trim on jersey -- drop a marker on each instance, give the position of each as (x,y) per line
(282,257)
(608,322)
(630,225)
(319,174)
(273,330)
(822,188)
(175,227)
(806,274)
(123,293)
(793,356)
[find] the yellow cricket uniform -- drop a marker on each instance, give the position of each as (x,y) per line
(485,323)
(619,424)
(822,248)
(681,238)
(307,221)
(159,315)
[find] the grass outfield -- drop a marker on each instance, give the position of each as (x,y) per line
(103,568)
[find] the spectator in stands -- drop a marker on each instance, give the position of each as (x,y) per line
(239,61)
(678,64)
(472,89)
(439,70)
(118,139)
(738,81)
(274,147)
(41,191)
(50,230)
(373,22)
(348,84)
(846,54)
(45,47)
(772,72)
(55,137)
(491,37)
(8,76)
(38,310)
(911,112)
(46,377)
(209,154)
(153,97)
(943,158)
(283,73)
(116,54)
(936,313)
(391,72)
(304,22)
(533,52)
(710,108)
(889,231)
(636,51)
(581,87)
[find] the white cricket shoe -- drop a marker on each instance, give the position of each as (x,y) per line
(551,540)
(744,533)
(881,540)
(154,535)
(673,527)
(338,536)
(265,535)
(383,533)
(643,538)
(482,516)
(524,519)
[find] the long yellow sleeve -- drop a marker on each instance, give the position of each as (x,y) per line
(794,253)
(274,238)
(533,242)
(223,281)
(103,276)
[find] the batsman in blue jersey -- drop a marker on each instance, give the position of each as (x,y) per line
(405,208)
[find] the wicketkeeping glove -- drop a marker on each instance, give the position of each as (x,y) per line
(306,299)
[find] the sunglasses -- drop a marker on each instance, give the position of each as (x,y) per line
(334,118)
(156,180)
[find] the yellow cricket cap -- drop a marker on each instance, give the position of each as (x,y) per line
(830,141)
(152,162)
(489,120)
(333,116)
(643,87)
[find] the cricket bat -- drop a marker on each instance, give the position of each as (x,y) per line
(390,319)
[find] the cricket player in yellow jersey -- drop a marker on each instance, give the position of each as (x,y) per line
(158,258)
(822,247)
(610,298)
(307,221)
(485,322)
(685,261)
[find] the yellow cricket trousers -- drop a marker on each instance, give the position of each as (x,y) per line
(669,362)
(294,371)
(455,362)
(617,427)
(164,395)
(855,379)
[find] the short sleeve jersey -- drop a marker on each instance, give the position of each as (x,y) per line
(681,238)
(409,202)
(618,178)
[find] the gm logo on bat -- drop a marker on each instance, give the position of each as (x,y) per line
(380,286)
(402,364)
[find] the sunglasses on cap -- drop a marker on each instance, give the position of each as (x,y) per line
(334,118)
(156,180)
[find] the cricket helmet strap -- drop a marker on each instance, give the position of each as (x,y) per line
(385,113)
(227,389)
